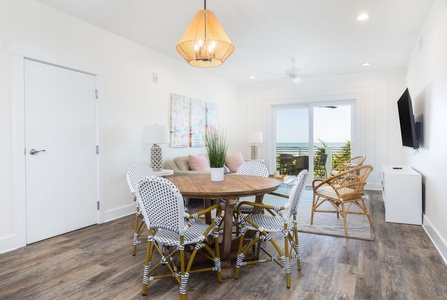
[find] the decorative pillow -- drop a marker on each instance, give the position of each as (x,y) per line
(199,163)
(182,163)
(234,161)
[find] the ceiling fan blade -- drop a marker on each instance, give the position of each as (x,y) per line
(297,80)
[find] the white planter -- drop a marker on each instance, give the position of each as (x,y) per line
(217,174)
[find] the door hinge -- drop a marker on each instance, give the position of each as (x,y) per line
(97,204)
(97,94)
(97,149)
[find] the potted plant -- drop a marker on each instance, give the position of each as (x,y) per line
(216,146)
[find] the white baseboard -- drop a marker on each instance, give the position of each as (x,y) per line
(437,240)
(117,213)
(13,242)
(9,243)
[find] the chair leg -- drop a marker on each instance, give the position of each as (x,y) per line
(240,255)
(314,203)
(217,258)
(184,276)
(147,264)
(343,215)
(137,231)
(365,208)
(295,245)
(286,258)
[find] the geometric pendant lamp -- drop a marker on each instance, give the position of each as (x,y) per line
(204,43)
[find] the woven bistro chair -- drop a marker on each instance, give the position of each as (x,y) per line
(343,191)
(251,168)
(172,232)
(281,219)
(248,168)
(135,174)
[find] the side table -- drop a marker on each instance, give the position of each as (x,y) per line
(164,172)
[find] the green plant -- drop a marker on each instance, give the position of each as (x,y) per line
(321,150)
(216,146)
(342,157)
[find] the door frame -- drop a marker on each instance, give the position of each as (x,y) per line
(18,98)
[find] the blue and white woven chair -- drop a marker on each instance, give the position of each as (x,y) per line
(172,231)
(250,168)
(280,219)
(253,168)
(135,174)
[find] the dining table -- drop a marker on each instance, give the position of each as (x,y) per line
(229,190)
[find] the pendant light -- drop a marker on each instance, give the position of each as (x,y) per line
(204,43)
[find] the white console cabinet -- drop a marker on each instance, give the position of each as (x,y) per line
(402,194)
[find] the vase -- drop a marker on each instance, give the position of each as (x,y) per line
(217,174)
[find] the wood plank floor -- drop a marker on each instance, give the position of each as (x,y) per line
(96,263)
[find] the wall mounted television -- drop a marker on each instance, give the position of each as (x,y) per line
(409,129)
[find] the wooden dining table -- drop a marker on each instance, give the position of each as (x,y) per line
(230,189)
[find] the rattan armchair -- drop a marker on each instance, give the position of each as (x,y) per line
(173,232)
(343,191)
(274,220)
(353,162)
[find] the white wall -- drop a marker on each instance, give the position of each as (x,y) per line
(377,132)
(129,98)
(427,83)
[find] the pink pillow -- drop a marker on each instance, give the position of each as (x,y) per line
(234,161)
(199,163)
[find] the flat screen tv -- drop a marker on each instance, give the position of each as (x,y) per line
(409,129)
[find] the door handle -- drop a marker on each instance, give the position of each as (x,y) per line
(34,151)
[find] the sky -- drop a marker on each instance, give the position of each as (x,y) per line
(330,124)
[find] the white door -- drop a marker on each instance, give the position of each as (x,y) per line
(60,123)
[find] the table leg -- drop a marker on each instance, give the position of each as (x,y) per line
(206,204)
(227,228)
(228,244)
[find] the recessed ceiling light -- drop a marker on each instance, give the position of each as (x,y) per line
(366,64)
(252,77)
(362,17)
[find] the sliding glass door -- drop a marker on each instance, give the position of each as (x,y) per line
(314,136)
(292,139)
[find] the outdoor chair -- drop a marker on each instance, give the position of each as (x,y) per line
(301,163)
(276,219)
(172,232)
(285,163)
(343,191)
(134,175)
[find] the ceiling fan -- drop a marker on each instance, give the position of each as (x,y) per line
(293,73)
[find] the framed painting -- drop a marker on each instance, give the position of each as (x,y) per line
(180,115)
(212,117)
(198,123)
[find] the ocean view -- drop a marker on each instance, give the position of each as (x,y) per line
(303,148)
(306,145)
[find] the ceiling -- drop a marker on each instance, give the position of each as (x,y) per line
(323,36)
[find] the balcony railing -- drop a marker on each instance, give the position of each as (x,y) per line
(297,159)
